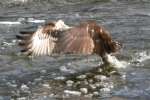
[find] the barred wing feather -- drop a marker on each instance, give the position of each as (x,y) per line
(77,41)
(39,43)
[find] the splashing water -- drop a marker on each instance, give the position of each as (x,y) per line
(116,63)
(142,56)
(54,77)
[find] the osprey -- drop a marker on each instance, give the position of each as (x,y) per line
(56,37)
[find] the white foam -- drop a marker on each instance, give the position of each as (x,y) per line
(10,22)
(142,56)
(32,20)
(67,69)
(72,92)
(23,1)
(116,63)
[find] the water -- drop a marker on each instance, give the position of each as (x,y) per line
(76,76)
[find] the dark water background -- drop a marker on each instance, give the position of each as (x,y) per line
(22,78)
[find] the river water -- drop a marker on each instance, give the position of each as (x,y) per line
(76,77)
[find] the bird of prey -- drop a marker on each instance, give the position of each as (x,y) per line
(56,37)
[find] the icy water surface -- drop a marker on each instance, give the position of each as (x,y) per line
(76,77)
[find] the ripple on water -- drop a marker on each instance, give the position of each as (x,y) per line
(140,57)
(55,77)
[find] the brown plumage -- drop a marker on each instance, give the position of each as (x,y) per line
(86,38)
(43,40)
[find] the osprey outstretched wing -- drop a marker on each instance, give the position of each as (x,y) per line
(43,40)
(86,38)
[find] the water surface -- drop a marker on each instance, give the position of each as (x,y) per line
(44,78)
